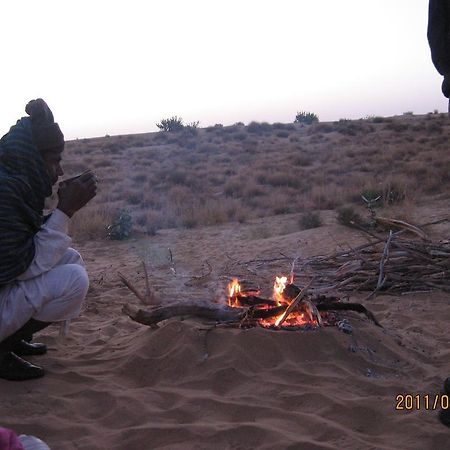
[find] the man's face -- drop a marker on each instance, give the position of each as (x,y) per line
(52,162)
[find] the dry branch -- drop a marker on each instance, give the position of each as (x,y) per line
(397,266)
(201,310)
(149,298)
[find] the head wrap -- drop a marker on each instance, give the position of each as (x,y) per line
(24,185)
(46,133)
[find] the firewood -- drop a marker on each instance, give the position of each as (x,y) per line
(291,291)
(294,303)
(201,310)
(357,307)
(253,300)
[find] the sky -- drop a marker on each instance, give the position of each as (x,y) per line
(119,67)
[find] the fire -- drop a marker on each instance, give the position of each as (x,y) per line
(296,318)
(234,290)
(278,287)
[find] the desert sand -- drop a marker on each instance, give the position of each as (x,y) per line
(116,384)
(227,195)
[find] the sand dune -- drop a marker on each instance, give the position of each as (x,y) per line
(114,384)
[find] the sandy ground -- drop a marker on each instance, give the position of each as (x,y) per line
(115,384)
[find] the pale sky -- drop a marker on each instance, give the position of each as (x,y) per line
(118,67)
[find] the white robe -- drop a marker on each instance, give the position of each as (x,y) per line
(53,287)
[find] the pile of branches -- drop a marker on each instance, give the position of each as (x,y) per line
(396,266)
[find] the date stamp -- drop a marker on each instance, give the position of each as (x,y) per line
(416,402)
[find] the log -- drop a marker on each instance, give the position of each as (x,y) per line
(357,307)
(252,300)
(204,310)
(291,291)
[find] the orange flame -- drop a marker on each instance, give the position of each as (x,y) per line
(294,319)
(234,289)
(278,288)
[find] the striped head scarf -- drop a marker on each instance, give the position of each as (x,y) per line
(24,185)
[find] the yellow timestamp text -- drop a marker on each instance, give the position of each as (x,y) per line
(414,402)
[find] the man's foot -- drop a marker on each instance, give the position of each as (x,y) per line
(14,368)
(24,348)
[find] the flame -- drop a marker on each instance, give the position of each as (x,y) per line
(278,288)
(295,318)
(234,289)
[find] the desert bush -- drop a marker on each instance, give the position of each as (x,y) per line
(302,160)
(398,127)
(103,163)
(352,128)
(240,136)
(140,178)
(323,127)
(259,128)
(282,134)
(121,227)
(394,192)
(250,146)
(434,128)
(160,138)
(234,187)
(310,220)
(348,216)
(283,126)
(174,123)
(134,197)
(91,222)
(306,117)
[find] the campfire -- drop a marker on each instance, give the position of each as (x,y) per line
(290,308)
(399,266)
(289,312)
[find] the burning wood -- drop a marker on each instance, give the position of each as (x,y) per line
(398,265)
(290,309)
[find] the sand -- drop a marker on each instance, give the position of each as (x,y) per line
(115,384)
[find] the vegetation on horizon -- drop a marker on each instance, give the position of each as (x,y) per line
(232,173)
(175,123)
(306,117)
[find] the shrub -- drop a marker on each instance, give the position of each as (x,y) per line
(282,134)
(259,128)
(172,124)
(398,127)
(394,192)
(306,117)
(310,220)
(348,216)
(121,227)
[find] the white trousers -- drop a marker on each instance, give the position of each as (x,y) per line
(53,296)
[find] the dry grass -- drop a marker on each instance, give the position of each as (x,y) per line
(221,174)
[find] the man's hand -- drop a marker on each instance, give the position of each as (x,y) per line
(75,192)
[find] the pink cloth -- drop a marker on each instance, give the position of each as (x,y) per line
(9,440)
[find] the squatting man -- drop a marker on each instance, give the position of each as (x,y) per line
(42,279)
